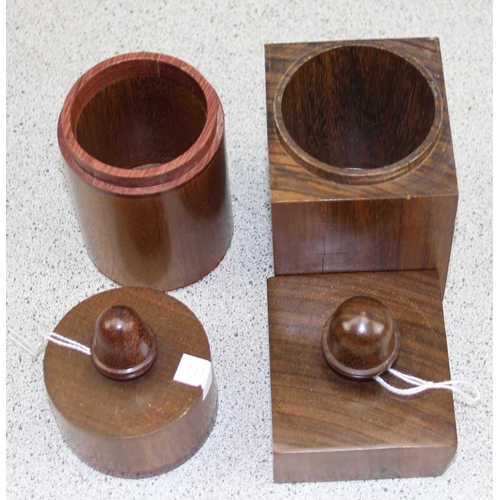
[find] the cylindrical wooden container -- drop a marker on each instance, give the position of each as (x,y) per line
(132,427)
(143,139)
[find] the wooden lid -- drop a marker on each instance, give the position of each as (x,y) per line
(139,427)
(328,427)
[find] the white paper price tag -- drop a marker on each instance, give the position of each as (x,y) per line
(194,371)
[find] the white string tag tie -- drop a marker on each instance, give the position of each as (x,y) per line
(35,349)
(471,396)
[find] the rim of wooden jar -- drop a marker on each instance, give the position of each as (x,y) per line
(153,179)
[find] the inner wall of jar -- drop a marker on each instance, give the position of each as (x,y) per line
(358,107)
(140,122)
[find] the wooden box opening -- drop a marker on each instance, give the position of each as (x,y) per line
(142,121)
(356,107)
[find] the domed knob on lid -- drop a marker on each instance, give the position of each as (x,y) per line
(123,346)
(360,340)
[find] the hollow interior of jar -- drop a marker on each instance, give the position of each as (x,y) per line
(141,121)
(358,107)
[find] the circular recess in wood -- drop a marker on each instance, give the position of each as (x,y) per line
(131,428)
(358,114)
(360,340)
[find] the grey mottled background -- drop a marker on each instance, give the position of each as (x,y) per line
(49,45)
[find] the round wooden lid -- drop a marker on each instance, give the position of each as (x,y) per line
(139,427)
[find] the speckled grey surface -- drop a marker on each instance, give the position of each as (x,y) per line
(49,45)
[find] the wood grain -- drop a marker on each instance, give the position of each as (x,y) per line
(142,136)
(327,427)
(361,162)
(140,427)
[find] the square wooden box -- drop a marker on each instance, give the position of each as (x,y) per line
(394,212)
(328,428)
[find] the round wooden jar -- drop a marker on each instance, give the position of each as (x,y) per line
(143,139)
(355,113)
(136,427)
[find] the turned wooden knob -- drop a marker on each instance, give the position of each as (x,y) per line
(360,340)
(123,346)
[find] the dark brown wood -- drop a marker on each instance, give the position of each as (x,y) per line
(327,427)
(123,346)
(143,138)
(360,339)
(133,428)
(361,160)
